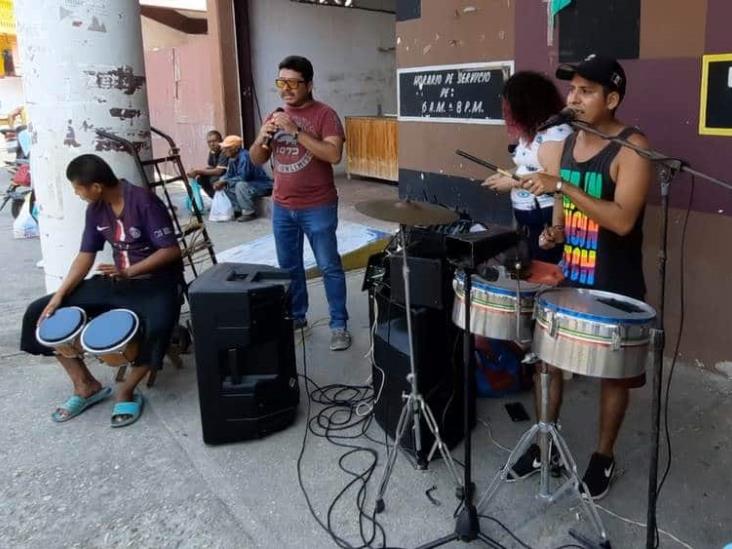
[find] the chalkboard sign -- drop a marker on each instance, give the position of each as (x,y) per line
(715,115)
(468,94)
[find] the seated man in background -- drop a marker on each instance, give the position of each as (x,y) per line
(216,164)
(244,181)
(146,277)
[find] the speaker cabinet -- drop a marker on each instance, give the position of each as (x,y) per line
(244,348)
(437,345)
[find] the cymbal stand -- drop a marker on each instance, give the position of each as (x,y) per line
(415,407)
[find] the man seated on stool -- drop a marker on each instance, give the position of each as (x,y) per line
(244,181)
(146,277)
(216,164)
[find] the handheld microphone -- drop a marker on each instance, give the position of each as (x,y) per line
(268,140)
(565,116)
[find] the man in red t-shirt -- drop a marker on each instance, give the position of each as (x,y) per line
(305,138)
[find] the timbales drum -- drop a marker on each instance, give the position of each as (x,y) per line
(493,307)
(113,337)
(61,331)
(593,333)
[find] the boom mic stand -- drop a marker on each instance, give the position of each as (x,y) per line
(668,168)
(467,525)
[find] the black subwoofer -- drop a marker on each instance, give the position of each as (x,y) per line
(244,348)
(437,351)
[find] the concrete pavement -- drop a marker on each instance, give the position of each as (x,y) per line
(155,484)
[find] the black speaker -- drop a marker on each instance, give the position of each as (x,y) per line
(429,281)
(245,354)
(437,345)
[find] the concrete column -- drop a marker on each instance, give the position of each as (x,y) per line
(83,69)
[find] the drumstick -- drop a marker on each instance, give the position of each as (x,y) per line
(496,169)
(487,165)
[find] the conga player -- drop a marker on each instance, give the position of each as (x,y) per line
(146,278)
(601,189)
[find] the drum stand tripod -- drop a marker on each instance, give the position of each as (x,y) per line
(548,437)
(415,407)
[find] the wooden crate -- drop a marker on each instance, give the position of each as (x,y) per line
(371,147)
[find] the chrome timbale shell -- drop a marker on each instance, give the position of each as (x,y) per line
(593,333)
(493,307)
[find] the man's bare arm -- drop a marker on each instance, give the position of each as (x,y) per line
(80,267)
(633,179)
(258,153)
(550,158)
(212,172)
(330,149)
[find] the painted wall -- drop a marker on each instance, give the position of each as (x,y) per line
(353,73)
(181,76)
(663,99)
(11,93)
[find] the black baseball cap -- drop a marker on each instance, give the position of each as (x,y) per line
(598,68)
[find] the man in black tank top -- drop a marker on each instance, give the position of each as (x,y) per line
(600,191)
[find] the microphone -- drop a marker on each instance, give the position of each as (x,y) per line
(268,140)
(565,116)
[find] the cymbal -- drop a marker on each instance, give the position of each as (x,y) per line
(407,212)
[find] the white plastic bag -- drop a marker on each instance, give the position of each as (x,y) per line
(206,202)
(24,225)
(221,208)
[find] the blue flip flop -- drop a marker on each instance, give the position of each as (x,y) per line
(132,409)
(77,404)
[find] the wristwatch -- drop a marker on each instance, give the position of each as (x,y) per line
(559,186)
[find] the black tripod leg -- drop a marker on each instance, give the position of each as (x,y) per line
(467,525)
(440,541)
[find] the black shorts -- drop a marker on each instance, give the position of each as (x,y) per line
(156,301)
(533,223)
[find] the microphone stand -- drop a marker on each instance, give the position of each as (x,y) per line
(668,168)
(467,522)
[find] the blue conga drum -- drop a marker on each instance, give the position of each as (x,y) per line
(112,337)
(61,331)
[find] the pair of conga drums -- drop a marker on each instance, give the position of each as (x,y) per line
(588,332)
(112,337)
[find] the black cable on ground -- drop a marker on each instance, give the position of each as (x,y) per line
(337,422)
(677,344)
(507,530)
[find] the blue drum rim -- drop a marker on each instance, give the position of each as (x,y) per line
(484,285)
(124,341)
(70,336)
(541,302)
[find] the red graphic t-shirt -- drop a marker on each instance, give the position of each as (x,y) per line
(301,180)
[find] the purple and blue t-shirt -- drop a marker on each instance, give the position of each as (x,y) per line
(143,228)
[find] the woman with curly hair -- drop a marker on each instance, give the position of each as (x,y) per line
(529,98)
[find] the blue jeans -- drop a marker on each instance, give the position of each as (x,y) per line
(243,193)
(319,225)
